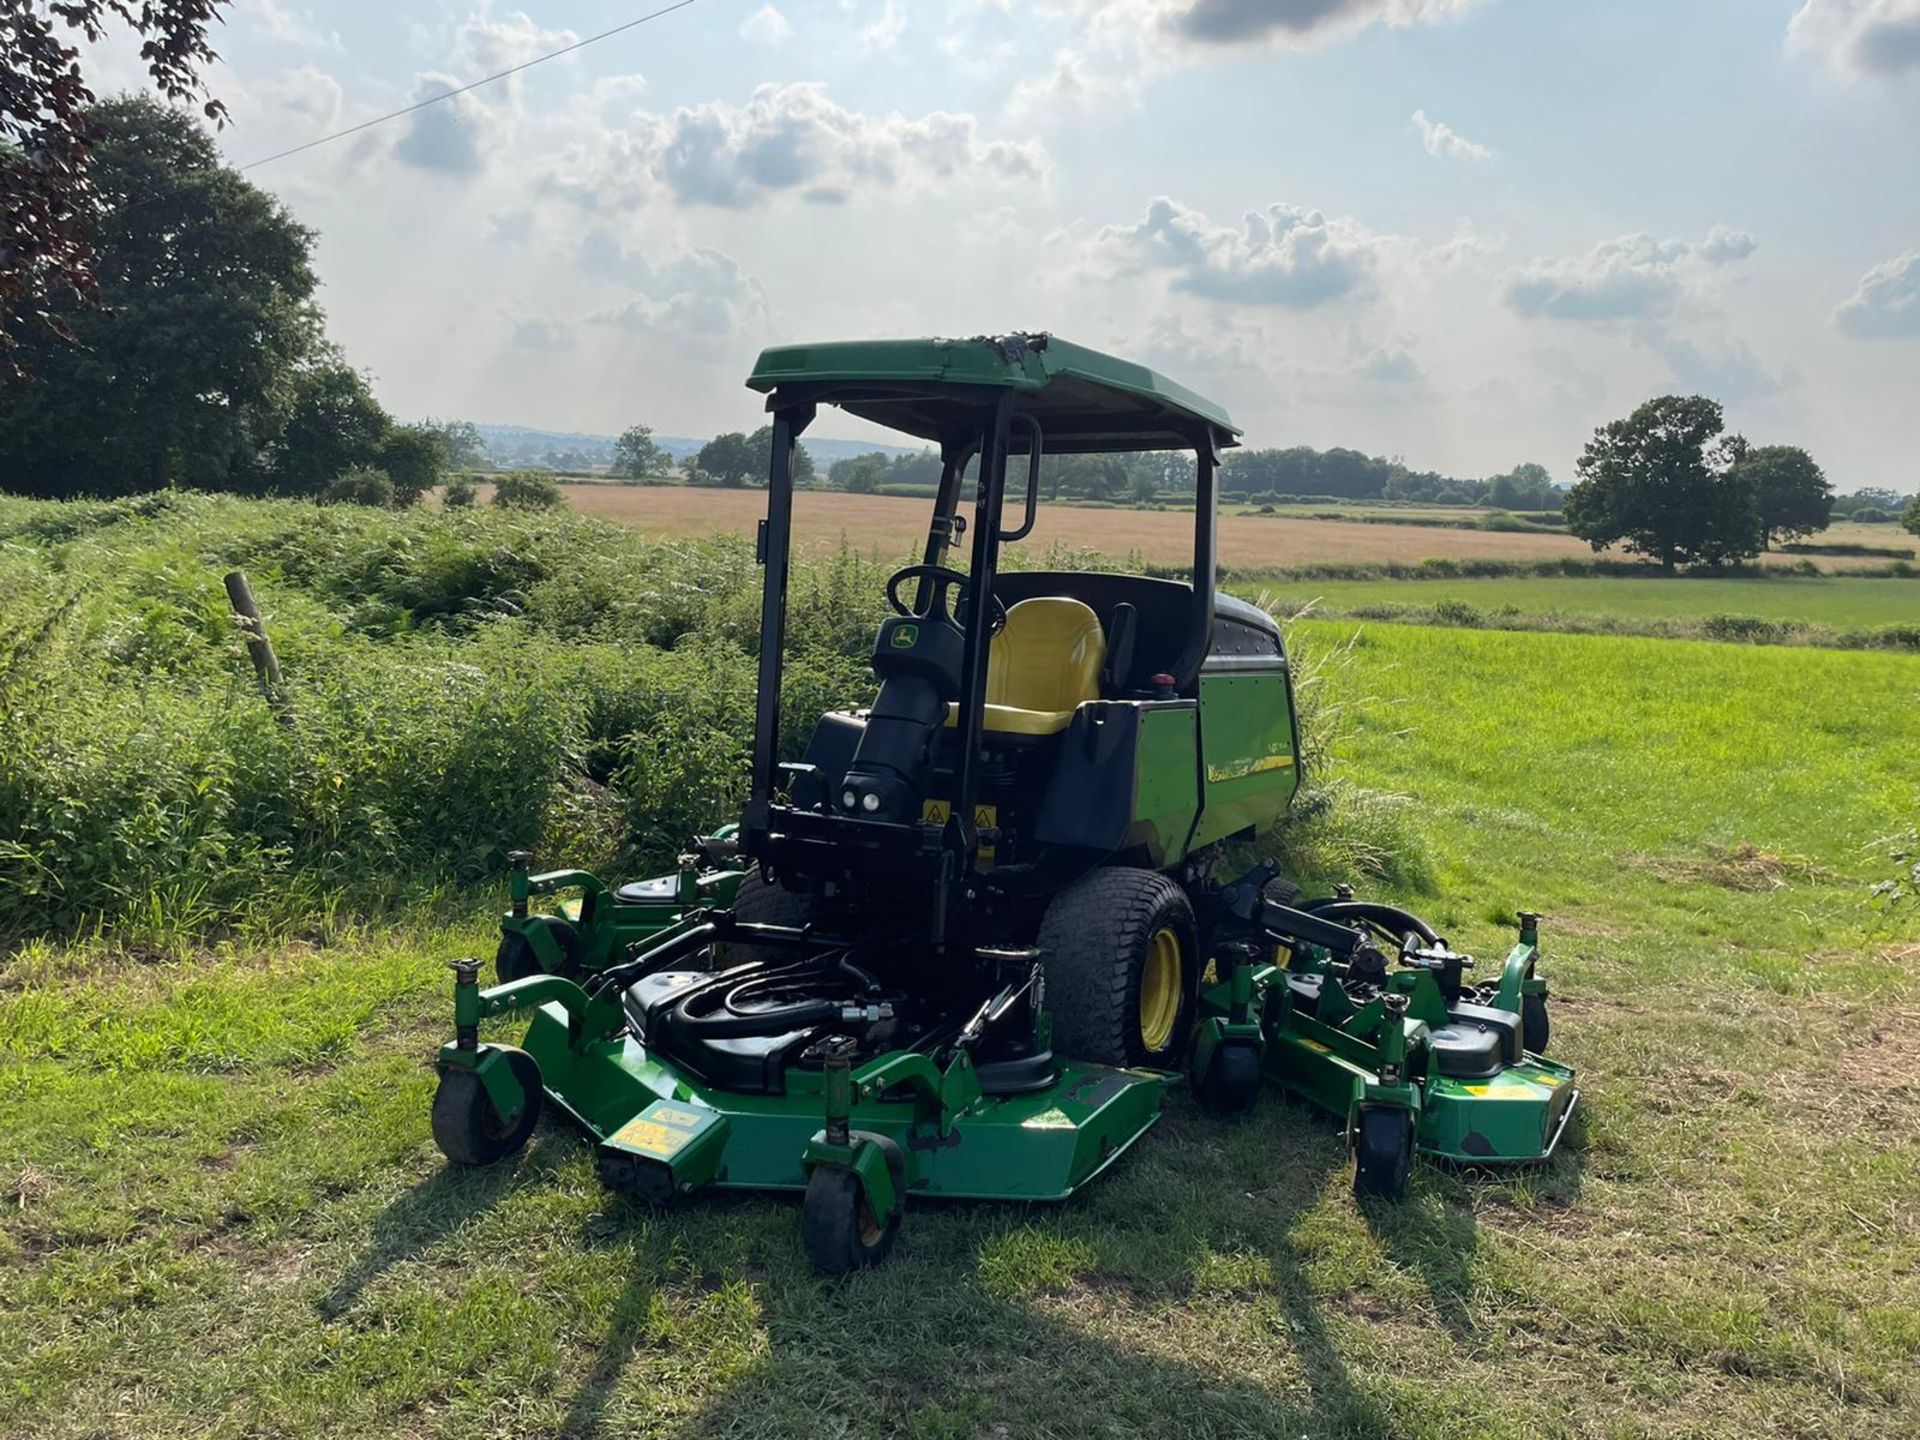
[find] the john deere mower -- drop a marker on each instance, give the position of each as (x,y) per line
(964,945)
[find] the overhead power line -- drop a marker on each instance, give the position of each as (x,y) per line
(464,89)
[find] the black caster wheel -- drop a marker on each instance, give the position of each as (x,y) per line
(1534,1027)
(838,1228)
(1232,1081)
(1383,1153)
(465,1126)
(516,960)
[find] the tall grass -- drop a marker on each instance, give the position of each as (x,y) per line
(463,683)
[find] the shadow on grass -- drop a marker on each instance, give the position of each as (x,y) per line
(432,1210)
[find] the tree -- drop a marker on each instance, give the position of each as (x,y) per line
(636,456)
(47,134)
(332,423)
(465,449)
(1527,486)
(862,475)
(362,485)
(1910,517)
(1791,493)
(207,310)
(460,491)
(1663,482)
(527,490)
(760,444)
(730,459)
(415,458)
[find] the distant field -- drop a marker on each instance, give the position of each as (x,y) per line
(1829,600)
(889,526)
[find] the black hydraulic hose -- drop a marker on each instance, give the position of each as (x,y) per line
(731,1021)
(1389,918)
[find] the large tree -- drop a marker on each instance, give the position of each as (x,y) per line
(760,442)
(331,424)
(1663,482)
(186,367)
(415,459)
(1791,492)
(1910,517)
(636,455)
(46,137)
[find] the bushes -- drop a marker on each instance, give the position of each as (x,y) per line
(527,490)
(359,485)
(459,492)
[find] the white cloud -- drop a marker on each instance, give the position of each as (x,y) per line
(766,26)
(296,29)
(885,32)
(787,138)
(484,46)
(1729,370)
(1860,38)
(545,337)
(1445,142)
(1292,22)
(1886,303)
(1283,255)
(448,138)
(698,293)
(1633,277)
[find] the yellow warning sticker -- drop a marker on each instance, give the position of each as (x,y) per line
(648,1138)
(668,1115)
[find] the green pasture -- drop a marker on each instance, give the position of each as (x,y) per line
(223,1214)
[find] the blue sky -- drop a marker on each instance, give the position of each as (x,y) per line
(1463,231)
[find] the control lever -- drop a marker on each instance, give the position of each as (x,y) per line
(992,1012)
(1415,952)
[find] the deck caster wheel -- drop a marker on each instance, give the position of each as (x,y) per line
(465,1125)
(1534,1028)
(1383,1153)
(516,958)
(1232,1081)
(838,1228)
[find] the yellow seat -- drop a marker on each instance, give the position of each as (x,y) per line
(1042,667)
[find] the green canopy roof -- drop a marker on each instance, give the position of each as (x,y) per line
(1084,400)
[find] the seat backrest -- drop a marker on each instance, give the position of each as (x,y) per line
(1048,657)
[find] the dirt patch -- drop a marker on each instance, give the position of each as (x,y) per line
(1738,867)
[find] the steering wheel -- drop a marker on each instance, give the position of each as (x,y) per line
(944,580)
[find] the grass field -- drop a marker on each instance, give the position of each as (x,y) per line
(1836,601)
(223,1215)
(890,527)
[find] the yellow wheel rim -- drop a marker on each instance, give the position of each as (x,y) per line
(1160,990)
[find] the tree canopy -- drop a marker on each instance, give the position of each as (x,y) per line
(47,131)
(760,443)
(636,455)
(1664,482)
(1791,494)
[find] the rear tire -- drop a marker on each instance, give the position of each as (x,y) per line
(1121,955)
(1383,1153)
(838,1228)
(465,1125)
(760,903)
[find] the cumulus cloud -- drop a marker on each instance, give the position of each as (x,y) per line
(1233,22)
(1445,142)
(1886,303)
(1728,370)
(483,46)
(282,25)
(698,294)
(1389,366)
(545,337)
(766,26)
(1283,255)
(1633,277)
(447,138)
(1873,39)
(793,138)
(885,32)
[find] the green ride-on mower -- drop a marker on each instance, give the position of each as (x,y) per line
(962,947)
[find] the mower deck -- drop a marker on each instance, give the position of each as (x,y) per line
(1042,1145)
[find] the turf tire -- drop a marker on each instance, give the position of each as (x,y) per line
(1094,941)
(838,1229)
(1232,1081)
(1383,1153)
(465,1126)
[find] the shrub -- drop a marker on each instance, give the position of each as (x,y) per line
(527,490)
(361,485)
(1751,629)
(460,492)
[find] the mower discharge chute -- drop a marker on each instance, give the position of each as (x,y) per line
(961,947)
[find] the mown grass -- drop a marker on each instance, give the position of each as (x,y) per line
(224,1217)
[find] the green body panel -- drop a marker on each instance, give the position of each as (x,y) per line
(607,929)
(1252,771)
(1515,1117)
(1041,1146)
(1166,781)
(1063,385)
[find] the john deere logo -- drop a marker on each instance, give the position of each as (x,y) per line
(905,637)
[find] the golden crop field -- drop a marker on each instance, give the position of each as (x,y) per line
(891,526)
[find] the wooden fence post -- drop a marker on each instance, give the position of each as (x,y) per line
(266,665)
